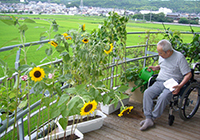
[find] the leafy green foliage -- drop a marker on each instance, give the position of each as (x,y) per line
(190,50)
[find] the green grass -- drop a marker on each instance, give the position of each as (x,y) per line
(10,35)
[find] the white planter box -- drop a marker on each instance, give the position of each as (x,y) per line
(61,134)
(108,109)
(89,125)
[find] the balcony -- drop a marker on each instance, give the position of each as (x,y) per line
(114,127)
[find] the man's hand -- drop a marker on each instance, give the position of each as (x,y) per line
(177,89)
(154,68)
(184,81)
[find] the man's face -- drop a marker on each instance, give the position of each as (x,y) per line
(162,53)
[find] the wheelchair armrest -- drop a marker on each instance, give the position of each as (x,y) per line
(151,80)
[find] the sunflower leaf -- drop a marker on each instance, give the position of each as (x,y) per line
(48,51)
(23,104)
(123,88)
(8,22)
(24,68)
(65,113)
(63,99)
(115,102)
(63,122)
(55,111)
(72,102)
(106,99)
(71,90)
(46,101)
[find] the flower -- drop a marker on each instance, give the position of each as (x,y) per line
(50,75)
(24,78)
(53,43)
(85,40)
(37,74)
(88,108)
(110,49)
(125,110)
(83,27)
(66,36)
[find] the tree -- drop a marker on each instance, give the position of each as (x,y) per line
(183,20)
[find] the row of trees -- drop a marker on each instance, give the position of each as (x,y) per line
(153,17)
(162,18)
(137,5)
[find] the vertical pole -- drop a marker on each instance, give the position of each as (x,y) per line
(112,70)
(20,121)
(146,47)
(21,128)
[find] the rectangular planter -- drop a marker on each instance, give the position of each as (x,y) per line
(61,134)
(108,109)
(89,125)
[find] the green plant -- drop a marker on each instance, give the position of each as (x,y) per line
(190,50)
(84,58)
(132,74)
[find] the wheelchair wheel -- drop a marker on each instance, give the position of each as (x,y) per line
(190,100)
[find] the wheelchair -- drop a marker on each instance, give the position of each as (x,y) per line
(187,101)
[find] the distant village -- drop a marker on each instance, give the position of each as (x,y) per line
(53,8)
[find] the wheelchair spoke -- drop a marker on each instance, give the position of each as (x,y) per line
(190,102)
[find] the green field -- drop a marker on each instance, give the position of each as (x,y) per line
(10,35)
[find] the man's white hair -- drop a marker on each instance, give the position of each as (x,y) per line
(165,44)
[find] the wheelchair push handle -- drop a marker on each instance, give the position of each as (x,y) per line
(145,74)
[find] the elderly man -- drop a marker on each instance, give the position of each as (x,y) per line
(172,64)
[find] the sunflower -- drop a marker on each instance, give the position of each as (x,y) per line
(110,49)
(66,36)
(37,74)
(85,40)
(125,110)
(53,43)
(83,27)
(88,108)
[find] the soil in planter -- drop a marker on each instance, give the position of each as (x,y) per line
(70,137)
(84,119)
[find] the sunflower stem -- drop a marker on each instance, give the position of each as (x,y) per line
(120,101)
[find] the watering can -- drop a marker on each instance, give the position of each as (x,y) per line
(144,75)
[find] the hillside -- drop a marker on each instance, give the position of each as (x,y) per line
(183,6)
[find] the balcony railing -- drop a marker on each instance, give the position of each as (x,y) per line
(112,79)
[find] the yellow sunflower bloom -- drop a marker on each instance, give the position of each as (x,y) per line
(37,74)
(110,49)
(88,108)
(53,43)
(66,36)
(125,110)
(83,27)
(85,40)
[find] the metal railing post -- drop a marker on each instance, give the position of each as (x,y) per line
(20,121)
(21,128)
(112,70)
(145,53)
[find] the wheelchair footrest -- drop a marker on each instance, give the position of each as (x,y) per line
(171,119)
